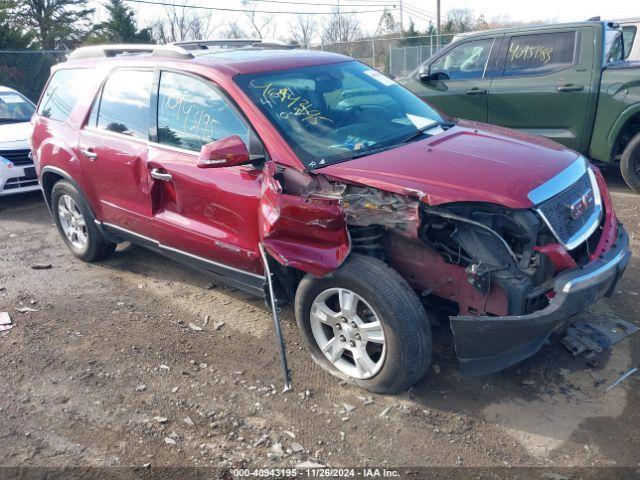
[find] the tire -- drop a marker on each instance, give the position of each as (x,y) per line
(89,245)
(630,164)
(405,354)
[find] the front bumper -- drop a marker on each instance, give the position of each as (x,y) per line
(489,344)
(17,179)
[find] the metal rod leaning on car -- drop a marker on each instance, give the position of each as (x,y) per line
(275,310)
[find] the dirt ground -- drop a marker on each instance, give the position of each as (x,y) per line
(107,371)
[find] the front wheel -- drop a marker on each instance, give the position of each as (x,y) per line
(630,164)
(364,324)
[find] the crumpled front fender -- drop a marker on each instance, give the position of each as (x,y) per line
(306,233)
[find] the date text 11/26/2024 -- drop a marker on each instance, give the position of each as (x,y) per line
(316,472)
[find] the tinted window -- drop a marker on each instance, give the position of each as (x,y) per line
(14,108)
(64,89)
(192,113)
(541,53)
(628,35)
(466,61)
(124,104)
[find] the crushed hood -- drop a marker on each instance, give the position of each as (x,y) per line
(15,135)
(471,161)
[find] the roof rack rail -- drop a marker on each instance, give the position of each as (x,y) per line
(105,51)
(241,43)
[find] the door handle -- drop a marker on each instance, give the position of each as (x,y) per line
(475,91)
(569,88)
(159,175)
(93,156)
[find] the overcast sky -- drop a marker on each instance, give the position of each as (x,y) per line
(419,10)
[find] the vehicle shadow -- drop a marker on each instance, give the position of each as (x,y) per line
(133,259)
(25,208)
(614,179)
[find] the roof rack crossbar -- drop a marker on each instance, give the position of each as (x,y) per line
(232,43)
(105,51)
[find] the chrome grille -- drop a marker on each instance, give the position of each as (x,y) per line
(573,214)
(20,158)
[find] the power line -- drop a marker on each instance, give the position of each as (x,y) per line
(167,4)
(420,16)
(418,9)
(387,4)
(382,2)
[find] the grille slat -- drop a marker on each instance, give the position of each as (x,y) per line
(557,211)
(20,158)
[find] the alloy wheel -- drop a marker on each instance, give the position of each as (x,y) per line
(73,222)
(348,332)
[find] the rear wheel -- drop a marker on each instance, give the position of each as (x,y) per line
(364,324)
(76,224)
(630,164)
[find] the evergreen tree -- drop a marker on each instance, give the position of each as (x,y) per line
(410,33)
(12,36)
(387,24)
(55,23)
(121,26)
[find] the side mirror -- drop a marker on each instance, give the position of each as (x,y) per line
(224,153)
(424,74)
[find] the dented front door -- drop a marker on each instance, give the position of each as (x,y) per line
(207,212)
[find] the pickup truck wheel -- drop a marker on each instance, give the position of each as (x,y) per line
(630,164)
(364,324)
(76,225)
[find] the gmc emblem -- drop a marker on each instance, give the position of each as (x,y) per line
(581,205)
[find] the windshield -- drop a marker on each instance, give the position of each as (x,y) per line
(332,113)
(15,108)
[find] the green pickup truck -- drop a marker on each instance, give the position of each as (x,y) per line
(570,83)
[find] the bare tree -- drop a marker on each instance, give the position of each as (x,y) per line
(504,21)
(182,23)
(233,30)
(459,20)
(341,28)
(304,29)
(262,24)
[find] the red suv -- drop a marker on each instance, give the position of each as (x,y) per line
(311,178)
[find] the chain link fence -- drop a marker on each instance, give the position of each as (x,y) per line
(396,56)
(27,71)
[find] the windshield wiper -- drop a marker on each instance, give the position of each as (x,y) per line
(420,131)
(383,148)
(16,120)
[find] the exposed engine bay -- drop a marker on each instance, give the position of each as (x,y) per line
(470,258)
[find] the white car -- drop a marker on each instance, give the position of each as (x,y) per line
(17,172)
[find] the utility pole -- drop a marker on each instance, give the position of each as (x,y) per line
(438,24)
(401,20)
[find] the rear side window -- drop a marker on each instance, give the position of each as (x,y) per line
(192,113)
(124,104)
(540,54)
(62,92)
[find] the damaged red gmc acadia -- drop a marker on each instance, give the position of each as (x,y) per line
(310,178)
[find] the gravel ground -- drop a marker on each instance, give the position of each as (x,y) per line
(107,371)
